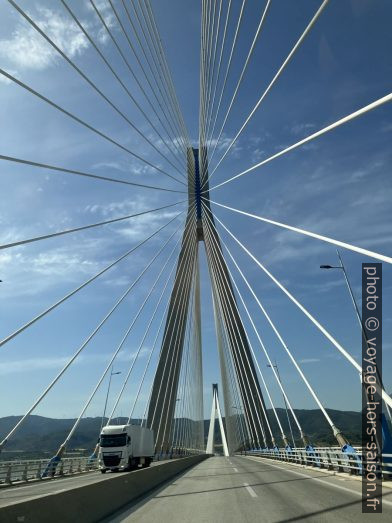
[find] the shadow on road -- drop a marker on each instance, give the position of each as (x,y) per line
(235,488)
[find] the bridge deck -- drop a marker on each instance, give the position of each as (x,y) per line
(15,494)
(249,489)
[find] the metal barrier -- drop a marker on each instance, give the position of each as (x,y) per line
(330,458)
(178,453)
(22,471)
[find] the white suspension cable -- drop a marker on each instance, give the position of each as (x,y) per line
(238,379)
(228,68)
(83,173)
(211,83)
(256,385)
(284,345)
(76,229)
(167,72)
(186,278)
(141,308)
(81,348)
(133,49)
(260,305)
(280,70)
(85,124)
(166,428)
(349,246)
(172,134)
(165,423)
(161,67)
(255,359)
(219,66)
(111,36)
(255,38)
(324,331)
(184,367)
(348,118)
(93,85)
(227,381)
(87,282)
(150,354)
(111,69)
(237,356)
(118,349)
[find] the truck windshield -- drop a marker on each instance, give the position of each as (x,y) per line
(113,440)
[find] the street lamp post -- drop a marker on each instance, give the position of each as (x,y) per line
(95,452)
(285,403)
(107,395)
(358,314)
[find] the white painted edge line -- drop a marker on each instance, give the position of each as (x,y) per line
(251,492)
(339,487)
(235,470)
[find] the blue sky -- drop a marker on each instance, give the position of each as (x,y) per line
(338,185)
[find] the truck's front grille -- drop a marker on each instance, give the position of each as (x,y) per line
(111,461)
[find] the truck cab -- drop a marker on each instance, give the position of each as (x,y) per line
(125,447)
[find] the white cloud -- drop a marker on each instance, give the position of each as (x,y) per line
(110,165)
(224,143)
(57,263)
(257,154)
(30,273)
(107,14)
(310,360)
(302,128)
(29,365)
(27,49)
(140,226)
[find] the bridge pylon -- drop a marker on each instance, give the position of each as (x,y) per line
(216,411)
(200,227)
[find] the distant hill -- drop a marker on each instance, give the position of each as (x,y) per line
(41,436)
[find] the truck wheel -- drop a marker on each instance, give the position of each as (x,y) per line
(132,464)
(103,471)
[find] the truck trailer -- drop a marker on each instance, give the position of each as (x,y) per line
(125,447)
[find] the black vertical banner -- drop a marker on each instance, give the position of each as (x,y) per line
(371,379)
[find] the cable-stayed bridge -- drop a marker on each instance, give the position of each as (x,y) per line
(270,469)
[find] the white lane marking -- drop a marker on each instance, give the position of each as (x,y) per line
(340,487)
(250,490)
(235,470)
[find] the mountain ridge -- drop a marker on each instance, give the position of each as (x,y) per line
(41,435)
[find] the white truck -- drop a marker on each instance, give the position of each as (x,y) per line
(125,447)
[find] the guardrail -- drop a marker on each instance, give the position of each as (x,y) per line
(27,470)
(330,458)
(22,471)
(177,453)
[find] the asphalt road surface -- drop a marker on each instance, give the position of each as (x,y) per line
(251,489)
